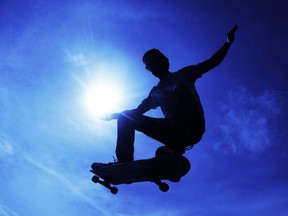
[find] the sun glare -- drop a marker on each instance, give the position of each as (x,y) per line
(103,98)
(104,89)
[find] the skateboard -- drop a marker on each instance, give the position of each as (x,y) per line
(164,167)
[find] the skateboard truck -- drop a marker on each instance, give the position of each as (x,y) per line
(113,190)
(164,187)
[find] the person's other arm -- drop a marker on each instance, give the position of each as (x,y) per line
(219,55)
(148,103)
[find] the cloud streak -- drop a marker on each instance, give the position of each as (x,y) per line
(40,179)
(5,211)
(249,121)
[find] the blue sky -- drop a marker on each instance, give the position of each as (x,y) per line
(53,51)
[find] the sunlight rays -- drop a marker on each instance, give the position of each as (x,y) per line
(102,98)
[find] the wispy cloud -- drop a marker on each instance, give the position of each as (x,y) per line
(5,211)
(66,182)
(248,121)
(6,148)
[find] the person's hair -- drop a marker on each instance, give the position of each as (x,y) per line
(156,55)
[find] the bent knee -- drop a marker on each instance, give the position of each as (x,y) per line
(128,117)
(125,115)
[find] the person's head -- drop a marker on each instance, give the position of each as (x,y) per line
(156,62)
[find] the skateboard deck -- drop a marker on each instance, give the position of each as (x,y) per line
(167,167)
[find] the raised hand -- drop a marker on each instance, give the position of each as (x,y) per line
(231,34)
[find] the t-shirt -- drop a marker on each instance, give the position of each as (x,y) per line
(160,95)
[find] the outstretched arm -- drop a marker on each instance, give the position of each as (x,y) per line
(148,103)
(219,55)
(142,108)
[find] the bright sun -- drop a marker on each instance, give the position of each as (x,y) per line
(103,98)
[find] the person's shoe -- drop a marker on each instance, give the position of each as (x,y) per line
(100,165)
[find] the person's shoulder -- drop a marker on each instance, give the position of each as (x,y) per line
(192,71)
(190,68)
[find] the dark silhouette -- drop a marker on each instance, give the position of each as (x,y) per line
(183,124)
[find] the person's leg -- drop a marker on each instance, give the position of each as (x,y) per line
(128,122)
(125,139)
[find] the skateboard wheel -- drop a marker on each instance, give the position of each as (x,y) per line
(114,190)
(164,187)
(95,179)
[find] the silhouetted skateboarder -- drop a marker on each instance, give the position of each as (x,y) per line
(183,124)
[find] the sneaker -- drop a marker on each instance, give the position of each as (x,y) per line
(101,165)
